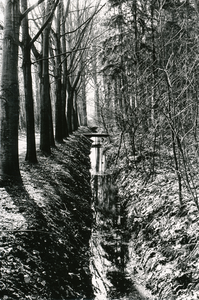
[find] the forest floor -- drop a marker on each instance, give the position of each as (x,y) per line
(45,225)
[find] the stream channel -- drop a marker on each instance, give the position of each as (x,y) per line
(110,237)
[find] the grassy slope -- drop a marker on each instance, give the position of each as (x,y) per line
(45,226)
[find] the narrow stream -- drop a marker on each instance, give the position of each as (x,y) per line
(110,237)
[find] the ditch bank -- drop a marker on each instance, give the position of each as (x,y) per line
(45,226)
(110,235)
(163,245)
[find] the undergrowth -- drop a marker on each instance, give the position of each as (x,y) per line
(164,232)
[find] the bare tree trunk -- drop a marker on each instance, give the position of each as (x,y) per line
(9,100)
(58,93)
(96,87)
(83,100)
(64,68)
(70,107)
(45,141)
(75,114)
(30,123)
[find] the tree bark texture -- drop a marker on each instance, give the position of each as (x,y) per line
(64,68)
(70,108)
(58,101)
(30,123)
(9,100)
(83,109)
(45,92)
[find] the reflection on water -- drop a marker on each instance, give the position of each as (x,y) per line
(97,157)
(110,237)
(109,241)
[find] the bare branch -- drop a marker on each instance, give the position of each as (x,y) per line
(87,21)
(24,14)
(67,52)
(67,9)
(45,24)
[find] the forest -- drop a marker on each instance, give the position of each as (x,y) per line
(125,68)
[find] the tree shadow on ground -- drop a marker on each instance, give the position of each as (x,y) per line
(49,256)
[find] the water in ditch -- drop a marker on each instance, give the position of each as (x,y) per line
(109,243)
(110,235)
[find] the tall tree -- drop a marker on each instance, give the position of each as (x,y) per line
(30,122)
(79,41)
(45,89)
(58,79)
(9,100)
(64,15)
(46,127)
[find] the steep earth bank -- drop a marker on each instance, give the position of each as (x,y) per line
(164,244)
(45,226)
